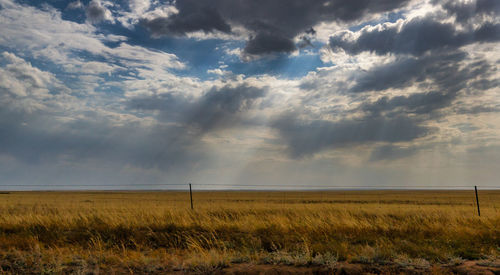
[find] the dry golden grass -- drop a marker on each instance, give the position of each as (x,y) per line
(142,232)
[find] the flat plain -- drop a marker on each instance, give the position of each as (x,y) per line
(235,232)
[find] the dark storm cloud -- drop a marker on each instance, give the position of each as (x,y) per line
(33,138)
(419,103)
(305,40)
(489,32)
(391,152)
(223,107)
(218,108)
(95,12)
(427,58)
(414,37)
(443,69)
(485,84)
(474,110)
(45,135)
(307,137)
(265,43)
(198,19)
(389,119)
(466,10)
(442,76)
(172,106)
(274,23)
(392,119)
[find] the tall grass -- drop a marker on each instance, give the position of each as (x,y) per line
(127,231)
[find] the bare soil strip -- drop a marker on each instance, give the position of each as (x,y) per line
(468,267)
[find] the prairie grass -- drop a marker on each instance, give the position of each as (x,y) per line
(147,232)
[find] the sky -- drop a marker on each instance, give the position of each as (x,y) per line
(131,94)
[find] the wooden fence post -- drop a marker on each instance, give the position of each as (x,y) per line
(477,202)
(191,195)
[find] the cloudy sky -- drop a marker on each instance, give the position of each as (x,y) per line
(267,92)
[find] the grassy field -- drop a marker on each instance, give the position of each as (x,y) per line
(156,232)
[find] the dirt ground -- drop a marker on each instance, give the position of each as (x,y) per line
(468,267)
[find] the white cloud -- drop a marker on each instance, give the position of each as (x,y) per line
(75,5)
(25,87)
(139,9)
(45,35)
(140,56)
(20,69)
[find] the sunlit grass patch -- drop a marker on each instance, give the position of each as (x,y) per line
(157,231)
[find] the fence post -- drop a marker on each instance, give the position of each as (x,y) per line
(191,195)
(477,202)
